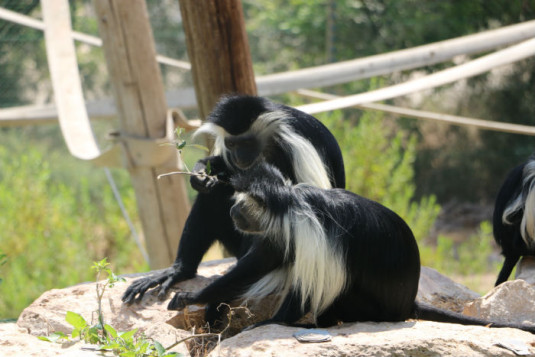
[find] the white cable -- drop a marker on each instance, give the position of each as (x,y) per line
(469,69)
(125,214)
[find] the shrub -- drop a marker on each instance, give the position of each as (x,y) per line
(379,165)
(54,223)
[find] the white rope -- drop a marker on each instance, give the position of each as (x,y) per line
(78,36)
(445,118)
(343,72)
(416,57)
(465,70)
(126,216)
(346,71)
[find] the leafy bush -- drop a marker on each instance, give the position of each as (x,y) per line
(58,215)
(105,337)
(379,166)
(469,257)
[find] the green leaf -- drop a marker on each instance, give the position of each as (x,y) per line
(76,320)
(159,348)
(110,330)
(75,333)
(180,145)
(128,334)
(92,335)
(55,336)
(208,169)
(110,346)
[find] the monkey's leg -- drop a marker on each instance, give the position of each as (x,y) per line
(289,312)
(259,261)
(507,268)
(209,218)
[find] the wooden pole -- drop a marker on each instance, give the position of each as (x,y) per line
(218,50)
(139,93)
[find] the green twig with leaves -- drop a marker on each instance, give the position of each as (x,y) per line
(104,336)
(180,143)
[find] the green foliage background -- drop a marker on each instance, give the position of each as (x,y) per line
(379,165)
(58,215)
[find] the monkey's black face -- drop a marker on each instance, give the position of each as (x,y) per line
(262,199)
(247,214)
(243,150)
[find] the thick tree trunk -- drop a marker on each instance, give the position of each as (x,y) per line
(218,50)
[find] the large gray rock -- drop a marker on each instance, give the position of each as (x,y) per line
(440,291)
(47,314)
(15,341)
(525,270)
(510,302)
(411,338)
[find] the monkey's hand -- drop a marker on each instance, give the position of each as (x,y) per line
(180,301)
(208,173)
(163,281)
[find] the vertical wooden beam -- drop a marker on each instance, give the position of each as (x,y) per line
(218,50)
(139,93)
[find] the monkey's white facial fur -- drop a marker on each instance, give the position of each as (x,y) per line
(525,201)
(317,267)
(244,150)
(250,214)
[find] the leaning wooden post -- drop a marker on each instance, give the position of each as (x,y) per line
(218,50)
(139,93)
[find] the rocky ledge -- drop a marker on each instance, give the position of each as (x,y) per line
(511,302)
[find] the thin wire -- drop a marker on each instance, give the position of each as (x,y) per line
(125,214)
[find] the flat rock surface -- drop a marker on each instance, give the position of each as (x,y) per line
(414,338)
(411,338)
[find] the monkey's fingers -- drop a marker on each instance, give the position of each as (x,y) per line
(200,183)
(165,286)
(137,289)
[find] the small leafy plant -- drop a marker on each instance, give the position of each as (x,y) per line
(103,335)
(180,143)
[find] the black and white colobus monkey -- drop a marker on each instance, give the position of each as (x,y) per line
(330,252)
(514,217)
(245,129)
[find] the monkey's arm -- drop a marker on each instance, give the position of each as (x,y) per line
(212,171)
(258,262)
(207,220)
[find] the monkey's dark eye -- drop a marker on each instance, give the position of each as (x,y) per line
(259,201)
(230,144)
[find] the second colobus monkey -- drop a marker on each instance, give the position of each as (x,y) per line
(514,217)
(330,252)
